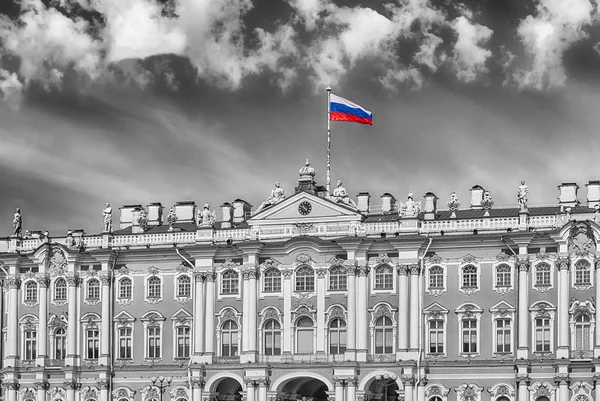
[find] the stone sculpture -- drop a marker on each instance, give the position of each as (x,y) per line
(277,195)
(341,196)
(107,214)
(18,223)
(522,196)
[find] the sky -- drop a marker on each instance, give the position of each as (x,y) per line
(164,101)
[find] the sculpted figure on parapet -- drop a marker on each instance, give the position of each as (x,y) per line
(410,208)
(341,196)
(277,195)
(522,196)
(107,214)
(18,223)
(206,218)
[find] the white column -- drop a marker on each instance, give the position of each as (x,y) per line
(209,339)
(522,390)
(103,385)
(41,393)
(563,387)
(250,391)
(13,317)
(70,390)
(339,390)
(73,282)
(414,307)
(597,328)
(403,309)
(596,380)
(351,390)
(42,351)
(562,265)
(252,314)
(197,394)
(12,391)
(245,313)
(351,326)
(363,293)
(321,325)
(287,311)
(523,308)
(262,390)
(408,381)
(199,316)
(421,391)
(106,318)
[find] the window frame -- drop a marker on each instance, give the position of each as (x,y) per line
(339,330)
(542,310)
(379,310)
(124,320)
(502,288)
(587,309)
(233,334)
(297,328)
(28,301)
(340,273)
(274,331)
(469,311)
(380,279)
(273,275)
(153,320)
(179,284)
(88,299)
(436,291)
(233,278)
(543,286)
(436,312)
(308,280)
(119,298)
(469,289)
(56,300)
(582,285)
(154,298)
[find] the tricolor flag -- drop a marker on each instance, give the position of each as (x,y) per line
(344,110)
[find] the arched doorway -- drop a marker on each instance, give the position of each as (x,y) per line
(383,388)
(303,389)
(228,389)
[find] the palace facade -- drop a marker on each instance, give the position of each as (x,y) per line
(313,298)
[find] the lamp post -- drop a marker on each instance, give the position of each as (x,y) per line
(386,381)
(161,386)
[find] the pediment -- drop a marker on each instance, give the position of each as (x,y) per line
(321,210)
(435,307)
(502,305)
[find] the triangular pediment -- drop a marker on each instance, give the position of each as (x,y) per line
(502,305)
(435,307)
(305,207)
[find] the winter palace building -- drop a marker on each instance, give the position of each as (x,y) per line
(309,297)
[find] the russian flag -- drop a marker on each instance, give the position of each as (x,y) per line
(344,110)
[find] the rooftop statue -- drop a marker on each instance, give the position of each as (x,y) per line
(453,204)
(307,173)
(522,196)
(107,214)
(18,223)
(171,218)
(277,196)
(205,217)
(410,208)
(143,219)
(487,203)
(341,196)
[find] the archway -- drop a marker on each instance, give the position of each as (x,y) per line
(383,388)
(228,389)
(303,389)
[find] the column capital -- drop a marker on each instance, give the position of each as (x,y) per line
(105,278)
(362,271)
(408,380)
(351,270)
(250,381)
(402,270)
(525,379)
(561,379)
(211,276)
(523,265)
(263,382)
(597,263)
(11,385)
(414,269)
(102,384)
(249,273)
(563,263)
(321,272)
(42,280)
(199,276)
(12,282)
(198,383)
(41,384)
(72,280)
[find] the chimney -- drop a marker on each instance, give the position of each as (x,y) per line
(241,209)
(185,211)
(387,202)
(363,201)
(155,214)
(476,196)
(568,194)
(430,206)
(593,194)
(127,215)
(226,211)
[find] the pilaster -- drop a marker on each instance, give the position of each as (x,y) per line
(403,312)
(351,326)
(321,325)
(522,266)
(562,265)
(363,323)
(414,307)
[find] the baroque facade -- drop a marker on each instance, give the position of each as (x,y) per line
(313,297)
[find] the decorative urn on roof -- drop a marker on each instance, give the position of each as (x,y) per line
(307,173)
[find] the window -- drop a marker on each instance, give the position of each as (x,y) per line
(93,343)
(60,289)
(542,334)
(384,278)
(31,291)
(337,336)
(272,334)
(436,277)
(230,282)
(272,281)
(154,342)
(582,333)
(338,278)
(583,273)
(304,335)
(384,336)
(542,275)
(154,287)
(125,288)
(469,336)
(93,289)
(305,279)
(60,344)
(436,336)
(469,277)
(503,276)
(503,336)
(183,342)
(30,345)
(184,286)
(125,342)
(229,338)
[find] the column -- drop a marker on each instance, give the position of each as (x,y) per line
(245,313)
(13,318)
(41,387)
(106,317)
(287,311)
(421,390)
(522,390)
(321,325)
(562,265)
(403,309)
(262,389)
(102,385)
(73,282)
(595,380)
(209,339)
(351,326)
(523,308)
(70,387)
(363,294)
(351,390)
(42,350)
(199,316)
(414,307)
(597,329)
(562,381)
(408,381)
(339,390)
(250,390)
(12,390)
(197,385)
(252,315)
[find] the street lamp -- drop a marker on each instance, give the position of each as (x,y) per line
(162,387)
(387,381)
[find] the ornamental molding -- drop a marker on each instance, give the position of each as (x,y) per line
(153,271)
(303,228)
(123,392)
(90,393)
(542,256)
(270,313)
(381,259)
(435,259)
(123,271)
(581,388)
(335,312)
(304,258)
(587,266)
(336,262)
(523,265)
(469,392)
(58,259)
(503,257)
(183,268)
(229,264)
(468,259)
(270,264)
(436,390)
(562,379)
(178,393)
(502,389)
(562,263)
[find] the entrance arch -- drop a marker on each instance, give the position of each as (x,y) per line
(383,387)
(308,387)
(225,387)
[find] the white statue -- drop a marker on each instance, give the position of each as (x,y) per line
(341,196)
(522,196)
(171,218)
(453,204)
(410,208)
(205,217)
(487,203)
(18,223)
(277,196)
(107,214)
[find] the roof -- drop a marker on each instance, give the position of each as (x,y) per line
(508,212)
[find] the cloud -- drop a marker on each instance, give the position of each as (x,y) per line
(469,55)
(11,88)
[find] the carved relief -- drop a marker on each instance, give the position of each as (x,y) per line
(58,259)
(581,239)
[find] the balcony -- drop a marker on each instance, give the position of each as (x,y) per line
(302,358)
(582,354)
(227,359)
(381,358)
(55,363)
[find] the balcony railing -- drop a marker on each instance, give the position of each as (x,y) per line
(55,363)
(582,354)
(302,358)
(228,359)
(381,358)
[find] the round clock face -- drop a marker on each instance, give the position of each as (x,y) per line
(304,208)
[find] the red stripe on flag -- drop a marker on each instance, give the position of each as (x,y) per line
(338,116)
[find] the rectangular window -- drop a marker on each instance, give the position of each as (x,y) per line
(93,343)
(337,342)
(338,282)
(469,336)
(503,276)
(273,342)
(154,342)
(542,275)
(125,343)
(30,345)
(272,283)
(436,336)
(503,336)
(183,342)
(583,277)
(542,335)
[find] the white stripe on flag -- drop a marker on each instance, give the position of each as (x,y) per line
(341,100)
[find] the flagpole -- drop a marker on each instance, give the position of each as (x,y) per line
(328,89)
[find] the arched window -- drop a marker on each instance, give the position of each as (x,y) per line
(93,289)
(384,336)
(384,277)
(503,398)
(435,398)
(229,282)
(436,277)
(542,274)
(337,336)
(304,335)
(582,397)
(272,280)
(503,276)
(272,336)
(583,272)
(125,288)
(60,289)
(184,286)
(469,277)
(31,291)
(338,278)
(582,333)
(305,279)
(60,344)
(229,338)
(154,287)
